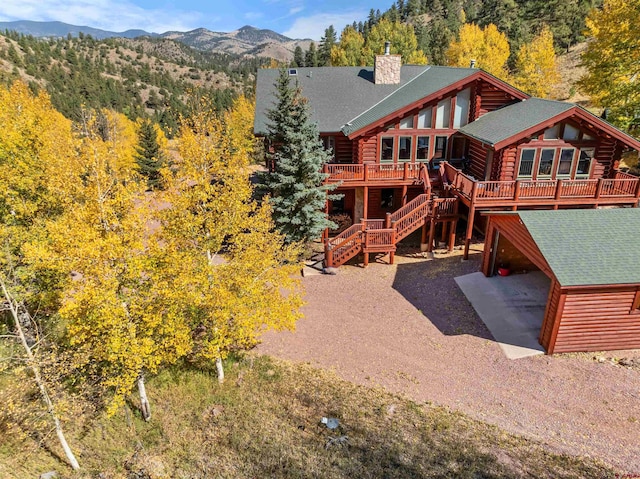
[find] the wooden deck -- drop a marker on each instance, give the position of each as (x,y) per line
(376,174)
(622,189)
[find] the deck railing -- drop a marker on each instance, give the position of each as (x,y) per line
(372,172)
(622,186)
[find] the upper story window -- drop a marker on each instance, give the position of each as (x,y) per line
(424,118)
(386,148)
(443,113)
(565,163)
(552,133)
(461,112)
(404,148)
(583,170)
(527,158)
(406,123)
(586,137)
(545,167)
(422,148)
(570,133)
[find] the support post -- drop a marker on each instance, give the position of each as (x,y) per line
(366,200)
(423,240)
(404,194)
(432,233)
(467,238)
(405,171)
(452,234)
(387,221)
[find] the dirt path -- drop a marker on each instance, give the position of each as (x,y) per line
(408,328)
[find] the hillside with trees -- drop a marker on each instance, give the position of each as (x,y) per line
(153,78)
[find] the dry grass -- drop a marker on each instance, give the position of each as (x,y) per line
(265,422)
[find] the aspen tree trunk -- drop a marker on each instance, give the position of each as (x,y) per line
(38,378)
(220,370)
(145,406)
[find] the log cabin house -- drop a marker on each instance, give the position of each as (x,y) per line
(593,301)
(422,146)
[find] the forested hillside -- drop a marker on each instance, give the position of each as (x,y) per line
(143,77)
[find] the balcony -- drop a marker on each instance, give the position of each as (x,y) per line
(377,174)
(622,189)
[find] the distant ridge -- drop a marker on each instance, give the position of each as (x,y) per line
(246,40)
(60,29)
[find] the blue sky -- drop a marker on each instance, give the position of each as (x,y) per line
(294,18)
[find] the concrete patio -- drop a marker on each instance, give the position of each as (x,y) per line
(512,307)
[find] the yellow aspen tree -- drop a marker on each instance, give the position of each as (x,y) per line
(536,69)
(487,46)
(234,275)
(37,173)
(119,321)
(612,60)
(348,52)
(403,42)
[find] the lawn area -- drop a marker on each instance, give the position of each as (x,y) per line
(265,422)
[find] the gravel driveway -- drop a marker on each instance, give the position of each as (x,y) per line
(409,328)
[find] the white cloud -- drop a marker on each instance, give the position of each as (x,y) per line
(314,26)
(294,10)
(115,15)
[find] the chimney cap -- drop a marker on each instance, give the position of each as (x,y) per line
(472,63)
(387,48)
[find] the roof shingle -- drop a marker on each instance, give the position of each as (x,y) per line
(588,247)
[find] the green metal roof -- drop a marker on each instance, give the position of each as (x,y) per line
(588,247)
(433,79)
(506,122)
(336,94)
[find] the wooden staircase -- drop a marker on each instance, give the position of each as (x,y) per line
(382,235)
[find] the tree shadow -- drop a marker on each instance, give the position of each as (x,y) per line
(431,288)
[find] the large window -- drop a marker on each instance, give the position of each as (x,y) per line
(440,148)
(565,163)
(527,157)
(552,133)
(386,148)
(461,112)
(443,113)
(406,123)
(570,133)
(584,162)
(404,148)
(424,118)
(422,148)
(546,162)
(458,148)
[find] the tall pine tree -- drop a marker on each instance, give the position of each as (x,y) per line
(298,194)
(150,157)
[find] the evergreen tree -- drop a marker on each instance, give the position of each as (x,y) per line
(297,194)
(298,57)
(326,43)
(150,157)
(311,57)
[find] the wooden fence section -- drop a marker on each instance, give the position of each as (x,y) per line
(622,189)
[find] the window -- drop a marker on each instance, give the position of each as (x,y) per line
(440,149)
(422,148)
(546,162)
(586,137)
(443,113)
(552,133)
(461,112)
(570,133)
(584,162)
(293,72)
(527,157)
(386,199)
(404,144)
(329,144)
(565,163)
(386,150)
(406,123)
(424,118)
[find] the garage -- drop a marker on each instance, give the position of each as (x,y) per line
(592,270)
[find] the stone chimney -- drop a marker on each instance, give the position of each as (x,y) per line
(386,70)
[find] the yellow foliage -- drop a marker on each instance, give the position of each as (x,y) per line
(229,264)
(536,70)
(487,46)
(348,52)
